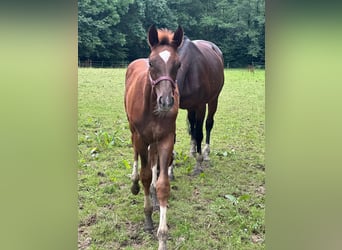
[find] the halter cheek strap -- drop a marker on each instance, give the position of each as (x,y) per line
(162,78)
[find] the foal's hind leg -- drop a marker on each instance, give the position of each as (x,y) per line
(153,162)
(135,175)
(146,179)
(171,166)
(212,107)
(146,176)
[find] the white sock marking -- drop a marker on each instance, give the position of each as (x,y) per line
(169,171)
(154,175)
(165,55)
(162,221)
(135,175)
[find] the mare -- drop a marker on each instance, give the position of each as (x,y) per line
(151,104)
(200,80)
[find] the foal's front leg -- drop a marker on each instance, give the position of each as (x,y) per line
(163,193)
(163,190)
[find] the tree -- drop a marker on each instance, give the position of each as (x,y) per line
(115,30)
(98,35)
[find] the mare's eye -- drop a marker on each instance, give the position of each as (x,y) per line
(150,63)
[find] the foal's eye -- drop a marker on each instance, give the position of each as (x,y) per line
(150,63)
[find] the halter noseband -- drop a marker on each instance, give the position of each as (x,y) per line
(162,78)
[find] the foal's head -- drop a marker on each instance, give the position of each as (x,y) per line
(164,64)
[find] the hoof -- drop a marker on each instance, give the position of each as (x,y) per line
(148,228)
(199,158)
(196,172)
(135,188)
(192,154)
(162,237)
(206,158)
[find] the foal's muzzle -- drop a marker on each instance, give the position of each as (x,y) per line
(165,100)
(165,103)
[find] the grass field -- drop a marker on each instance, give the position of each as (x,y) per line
(222,208)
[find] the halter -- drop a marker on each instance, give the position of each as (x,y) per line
(162,78)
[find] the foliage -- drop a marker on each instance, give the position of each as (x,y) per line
(116,30)
(225,205)
(99,34)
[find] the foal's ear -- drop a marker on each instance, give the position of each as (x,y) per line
(178,36)
(153,36)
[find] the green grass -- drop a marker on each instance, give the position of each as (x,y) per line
(222,208)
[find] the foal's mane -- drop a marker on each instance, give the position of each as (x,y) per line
(165,36)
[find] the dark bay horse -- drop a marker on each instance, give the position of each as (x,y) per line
(200,81)
(151,104)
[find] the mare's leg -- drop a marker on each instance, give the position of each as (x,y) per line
(165,149)
(212,107)
(200,114)
(135,175)
(192,132)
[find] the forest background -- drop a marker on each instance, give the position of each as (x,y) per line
(112,33)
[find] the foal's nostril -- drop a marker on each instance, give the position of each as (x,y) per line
(172,101)
(160,100)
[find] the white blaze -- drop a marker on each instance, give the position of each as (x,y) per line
(165,55)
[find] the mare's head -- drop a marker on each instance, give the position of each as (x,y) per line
(163,65)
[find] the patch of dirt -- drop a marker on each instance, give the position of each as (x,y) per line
(256,238)
(259,166)
(91,220)
(261,190)
(200,167)
(101,174)
(84,240)
(195,192)
(136,235)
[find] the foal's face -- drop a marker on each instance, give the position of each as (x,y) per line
(164,64)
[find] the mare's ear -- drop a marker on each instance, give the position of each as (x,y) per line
(152,36)
(178,37)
